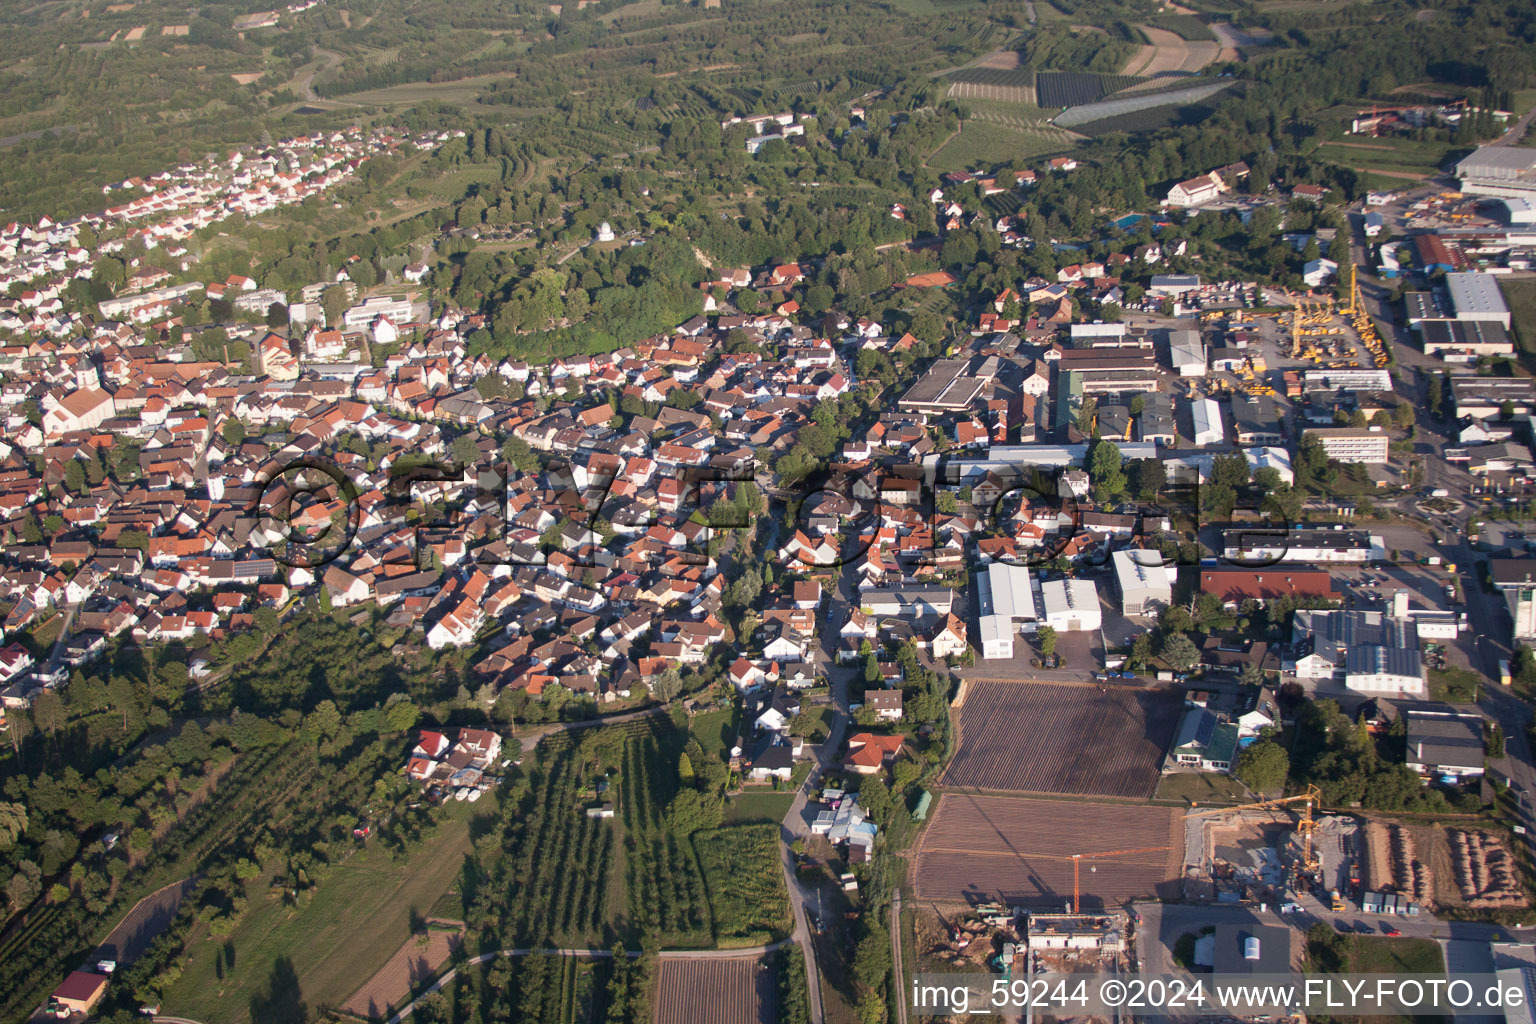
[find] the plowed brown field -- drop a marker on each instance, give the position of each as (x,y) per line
(717,990)
(412,964)
(1020,851)
(1069,738)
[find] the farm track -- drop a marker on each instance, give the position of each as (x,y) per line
(1020,850)
(1076,739)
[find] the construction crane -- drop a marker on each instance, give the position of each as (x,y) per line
(1313,798)
(1077,861)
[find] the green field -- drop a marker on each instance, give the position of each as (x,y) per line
(715,730)
(1458,685)
(1521,297)
(1374,954)
(1185,26)
(357,918)
(1201,788)
(745,882)
(1388,154)
(983,144)
(759,805)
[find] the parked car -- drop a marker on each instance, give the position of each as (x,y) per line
(1390,932)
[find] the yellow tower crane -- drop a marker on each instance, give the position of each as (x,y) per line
(1313,797)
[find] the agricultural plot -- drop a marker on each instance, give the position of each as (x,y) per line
(418,960)
(1387,156)
(1065,738)
(733,990)
(1014,85)
(745,884)
(144,923)
(1131,103)
(1166,53)
(1070,88)
(986,141)
(1020,851)
(665,889)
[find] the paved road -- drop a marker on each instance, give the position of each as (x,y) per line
(1162,924)
(795,823)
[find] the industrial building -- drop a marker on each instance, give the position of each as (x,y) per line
(1145,583)
(1360,445)
(1173,285)
(1348,379)
(1071,605)
(1005,600)
(1256,421)
(1302,545)
(1234,586)
(1482,397)
(1205,417)
(1476,297)
(1276,458)
(1515,578)
(948,386)
(1443,741)
(1156,421)
(1504,171)
(1368,651)
(1469,338)
(1010,461)
(911,602)
(1186,353)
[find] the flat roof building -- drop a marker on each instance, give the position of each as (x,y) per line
(1476,296)
(1499,171)
(946,387)
(1258,545)
(1071,605)
(1357,445)
(1145,583)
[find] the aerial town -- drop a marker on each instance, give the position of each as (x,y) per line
(434,530)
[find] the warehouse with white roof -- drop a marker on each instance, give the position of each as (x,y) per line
(1499,171)
(1005,601)
(1071,605)
(1477,297)
(1145,583)
(1206,415)
(1186,353)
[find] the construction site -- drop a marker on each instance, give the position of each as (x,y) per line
(1012,941)
(1271,852)
(1440,867)
(1275,851)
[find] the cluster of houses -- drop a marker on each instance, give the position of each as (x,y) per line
(163,211)
(464,766)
